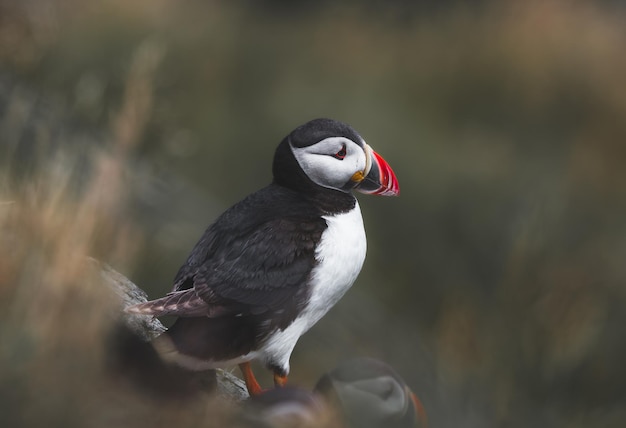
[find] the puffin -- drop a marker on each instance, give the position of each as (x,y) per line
(368,393)
(274,263)
(286,407)
(360,392)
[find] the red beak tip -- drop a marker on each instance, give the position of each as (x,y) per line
(389,182)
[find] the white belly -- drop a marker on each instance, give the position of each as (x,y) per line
(340,256)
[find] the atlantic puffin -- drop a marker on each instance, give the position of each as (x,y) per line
(368,393)
(274,263)
(286,407)
(359,392)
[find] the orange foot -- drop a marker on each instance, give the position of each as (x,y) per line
(252,385)
(279,380)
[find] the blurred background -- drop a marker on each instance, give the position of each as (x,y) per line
(495,284)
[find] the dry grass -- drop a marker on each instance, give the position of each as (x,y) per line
(55,314)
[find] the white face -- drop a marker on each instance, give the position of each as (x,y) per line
(331,162)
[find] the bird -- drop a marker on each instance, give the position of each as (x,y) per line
(273,264)
(287,407)
(360,392)
(368,393)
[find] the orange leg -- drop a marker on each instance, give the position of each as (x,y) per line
(280,380)
(248,376)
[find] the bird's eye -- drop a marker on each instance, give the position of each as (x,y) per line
(341,153)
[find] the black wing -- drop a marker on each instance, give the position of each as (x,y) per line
(255,258)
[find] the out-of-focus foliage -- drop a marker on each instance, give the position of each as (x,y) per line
(495,284)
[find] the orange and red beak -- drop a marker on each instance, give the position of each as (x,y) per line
(378,177)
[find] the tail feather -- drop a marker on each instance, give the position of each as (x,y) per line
(184,303)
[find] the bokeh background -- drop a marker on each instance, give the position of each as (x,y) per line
(495,284)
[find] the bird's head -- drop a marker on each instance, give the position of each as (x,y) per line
(369,393)
(331,154)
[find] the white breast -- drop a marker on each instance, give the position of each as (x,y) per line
(340,255)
